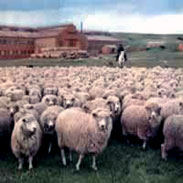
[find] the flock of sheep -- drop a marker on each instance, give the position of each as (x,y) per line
(81,108)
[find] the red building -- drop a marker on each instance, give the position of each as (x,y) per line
(21,42)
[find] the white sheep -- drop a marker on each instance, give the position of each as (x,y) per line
(26,139)
(82,132)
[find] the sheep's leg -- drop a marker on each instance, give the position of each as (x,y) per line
(125,136)
(142,136)
(168,145)
(20,162)
(144,145)
(63,157)
(163,152)
(30,162)
(49,148)
(70,155)
(94,166)
(81,156)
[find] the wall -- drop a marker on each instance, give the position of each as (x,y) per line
(11,48)
(46,42)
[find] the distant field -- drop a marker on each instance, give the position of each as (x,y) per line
(149,58)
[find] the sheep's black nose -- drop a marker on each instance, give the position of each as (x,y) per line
(51,127)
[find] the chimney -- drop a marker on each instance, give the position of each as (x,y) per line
(81,27)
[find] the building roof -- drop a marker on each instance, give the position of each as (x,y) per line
(26,32)
(19,34)
(101,38)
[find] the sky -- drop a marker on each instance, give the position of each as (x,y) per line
(140,16)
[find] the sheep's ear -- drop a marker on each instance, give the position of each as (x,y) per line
(104,97)
(181,104)
(148,108)
(111,107)
(31,107)
(94,114)
(16,108)
(86,109)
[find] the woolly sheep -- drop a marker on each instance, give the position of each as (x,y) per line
(172,131)
(172,106)
(141,121)
(6,123)
(68,100)
(50,90)
(82,132)
(26,139)
(50,100)
(91,105)
(48,120)
(15,94)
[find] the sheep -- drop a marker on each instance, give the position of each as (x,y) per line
(115,105)
(141,121)
(82,132)
(50,100)
(172,131)
(15,94)
(81,98)
(172,106)
(34,99)
(50,90)
(90,105)
(4,101)
(48,120)
(40,107)
(27,108)
(26,139)
(68,100)
(6,124)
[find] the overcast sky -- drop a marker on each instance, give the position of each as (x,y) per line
(142,16)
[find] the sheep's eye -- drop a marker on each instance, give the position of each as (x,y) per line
(24,120)
(47,100)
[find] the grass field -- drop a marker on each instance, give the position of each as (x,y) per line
(149,58)
(119,163)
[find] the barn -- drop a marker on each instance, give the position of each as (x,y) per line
(21,42)
(16,42)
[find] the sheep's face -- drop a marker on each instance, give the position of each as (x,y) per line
(115,106)
(50,91)
(28,125)
(68,101)
(104,121)
(35,92)
(49,125)
(13,108)
(50,100)
(154,113)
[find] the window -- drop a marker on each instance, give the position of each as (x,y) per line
(4,41)
(72,42)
